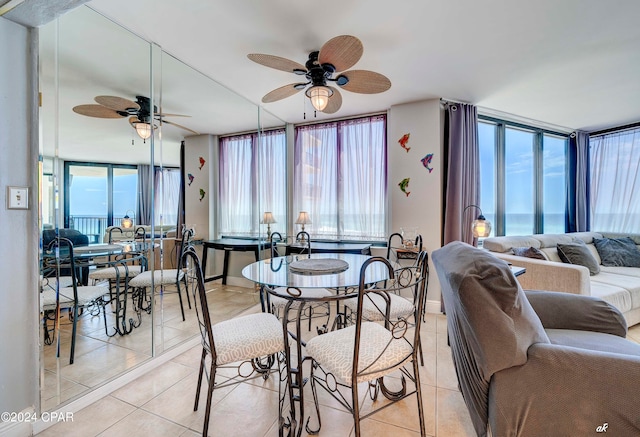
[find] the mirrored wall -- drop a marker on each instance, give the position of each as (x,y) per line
(98,171)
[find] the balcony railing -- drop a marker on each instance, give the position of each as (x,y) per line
(93,226)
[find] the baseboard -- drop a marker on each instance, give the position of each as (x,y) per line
(22,428)
(105,390)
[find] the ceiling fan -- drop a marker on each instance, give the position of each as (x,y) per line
(139,113)
(324,66)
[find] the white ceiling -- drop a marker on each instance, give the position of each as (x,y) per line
(572,64)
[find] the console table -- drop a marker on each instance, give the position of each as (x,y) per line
(231,245)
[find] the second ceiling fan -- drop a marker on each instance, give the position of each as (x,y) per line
(328,65)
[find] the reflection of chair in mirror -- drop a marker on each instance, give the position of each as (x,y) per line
(247,344)
(111,273)
(367,351)
(162,277)
(404,291)
(275,238)
(302,246)
(74,297)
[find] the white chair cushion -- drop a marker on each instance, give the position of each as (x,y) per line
(280,302)
(48,299)
(86,295)
(160,277)
(373,304)
(379,355)
(110,272)
(50,283)
(247,337)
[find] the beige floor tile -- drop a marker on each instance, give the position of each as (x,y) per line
(247,411)
(452,415)
(142,423)
(176,403)
(149,386)
(446,373)
(92,420)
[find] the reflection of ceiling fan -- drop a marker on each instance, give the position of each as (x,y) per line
(139,113)
(327,65)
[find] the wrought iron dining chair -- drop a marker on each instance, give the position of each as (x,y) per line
(110,272)
(368,351)
(403,303)
(397,249)
(302,246)
(274,239)
(250,344)
(75,297)
(160,278)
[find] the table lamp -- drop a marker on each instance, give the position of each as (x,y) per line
(127,222)
(268,219)
(303,219)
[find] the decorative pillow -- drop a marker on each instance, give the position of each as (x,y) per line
(578,253)
(618,252)
(529,252)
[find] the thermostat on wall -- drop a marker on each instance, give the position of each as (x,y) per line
(18,197)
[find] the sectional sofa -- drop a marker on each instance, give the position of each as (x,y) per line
(617,285)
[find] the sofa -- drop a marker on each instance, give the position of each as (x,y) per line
(535,363)
(620,286)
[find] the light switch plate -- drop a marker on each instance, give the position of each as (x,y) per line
(18,197)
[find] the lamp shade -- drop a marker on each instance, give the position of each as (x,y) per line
(268,218)
(126,222)
(481,227)
(319,96)
(143,130)
(303,218)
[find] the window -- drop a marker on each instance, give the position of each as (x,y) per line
(615,181)
(523,177)
(97,196)
(167,194)
(340,178)
(252,180)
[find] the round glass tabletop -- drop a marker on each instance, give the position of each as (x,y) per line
(276,272)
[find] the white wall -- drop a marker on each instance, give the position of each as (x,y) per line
(423,206)
(19,348)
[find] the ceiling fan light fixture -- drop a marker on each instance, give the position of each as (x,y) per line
(143,130)
(319,96)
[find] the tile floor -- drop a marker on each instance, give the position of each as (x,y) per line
(161,403)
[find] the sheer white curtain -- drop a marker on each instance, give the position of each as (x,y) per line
(340,178)
(363,170)
(252,180)
(615,181)
(167,193)
(315,188)
(236,203)
(272,178)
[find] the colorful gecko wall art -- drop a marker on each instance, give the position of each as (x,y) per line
(202,194)
(191,178)
(202,161)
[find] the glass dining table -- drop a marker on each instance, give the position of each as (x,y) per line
(336,272)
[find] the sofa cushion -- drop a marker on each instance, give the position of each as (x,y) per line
(617,296)
(505,244)
(577,252)
(529,252)
(618,252)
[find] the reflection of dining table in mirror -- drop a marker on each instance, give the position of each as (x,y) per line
(122,255)
(338,272)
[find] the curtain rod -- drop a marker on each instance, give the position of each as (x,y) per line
(333,120)
(615,129)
